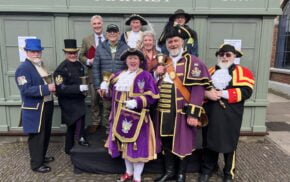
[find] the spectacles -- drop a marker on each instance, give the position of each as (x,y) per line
(227,54)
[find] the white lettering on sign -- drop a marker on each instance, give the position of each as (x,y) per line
(148,1)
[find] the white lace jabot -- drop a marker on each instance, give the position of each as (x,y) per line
(125,81)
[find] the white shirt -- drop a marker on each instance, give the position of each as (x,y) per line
(133,39)
(97,39)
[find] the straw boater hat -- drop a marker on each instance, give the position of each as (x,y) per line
(229,48)
(180,12)
(70,45)
(136,17)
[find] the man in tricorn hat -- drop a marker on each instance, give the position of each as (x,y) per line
(71,93)
(180,17)
(133,37)
(37,105)
(233,85)
(183,80)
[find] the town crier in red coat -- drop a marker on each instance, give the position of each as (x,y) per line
(233,84)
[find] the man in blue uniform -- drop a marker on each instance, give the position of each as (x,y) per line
(37,105)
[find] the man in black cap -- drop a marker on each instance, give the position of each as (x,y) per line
(233,85)
(133,37)
(182,82)
(180,17)
(107,60)
(71,93)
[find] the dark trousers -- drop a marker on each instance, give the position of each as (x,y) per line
(210,159)
(74,132)
(38,142)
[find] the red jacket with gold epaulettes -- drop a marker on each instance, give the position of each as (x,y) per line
(241,84)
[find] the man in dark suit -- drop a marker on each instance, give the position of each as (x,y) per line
(37,105)
(86,56)
(71,93)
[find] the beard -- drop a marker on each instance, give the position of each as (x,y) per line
(224,65)
(174,52)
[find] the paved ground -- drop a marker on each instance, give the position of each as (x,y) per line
(266,159)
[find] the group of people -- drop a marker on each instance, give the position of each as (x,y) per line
(150,101)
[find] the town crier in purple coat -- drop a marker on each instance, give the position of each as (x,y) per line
(182,80)
(131,129)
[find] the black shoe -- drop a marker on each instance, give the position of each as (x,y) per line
(48,159)
(42,169)
(181,178)
(227,179)
(83,142)
(169,174)
(203,178)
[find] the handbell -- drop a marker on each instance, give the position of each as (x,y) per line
(49,79)
(84,80)
(106,76)
(160,58)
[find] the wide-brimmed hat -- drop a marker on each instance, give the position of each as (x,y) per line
(132,51)
(180,12)
(178,30)
(136,17)
(112,28)
(70,45)
(229,48)
(33,45)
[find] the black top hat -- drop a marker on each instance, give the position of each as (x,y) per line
(229,48)
(70,45)
(112,28)
(136,17)
(180,12)
(178,31)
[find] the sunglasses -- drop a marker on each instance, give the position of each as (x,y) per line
(227,54)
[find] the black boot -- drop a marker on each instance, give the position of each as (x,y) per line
(182,166)
(169,161)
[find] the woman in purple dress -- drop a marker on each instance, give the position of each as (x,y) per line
(131,129)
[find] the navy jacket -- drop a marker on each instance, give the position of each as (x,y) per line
(104,61)
(32,89)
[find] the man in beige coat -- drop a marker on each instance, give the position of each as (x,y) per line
(86,56)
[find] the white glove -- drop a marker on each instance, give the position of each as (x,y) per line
(131,104)
(104,85)
(84,88)
(225,94)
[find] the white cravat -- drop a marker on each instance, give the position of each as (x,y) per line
(125,81)
(174,61)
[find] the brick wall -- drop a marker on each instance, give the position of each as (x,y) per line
(280,77)
(274,45)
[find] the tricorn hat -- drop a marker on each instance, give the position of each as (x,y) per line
(229,48)
(137,52)
(33,45)
(70,45)
(136,17)
(178,30)
(180,12)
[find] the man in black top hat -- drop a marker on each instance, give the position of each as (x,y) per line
(180,17)
(71,93)
(133,37)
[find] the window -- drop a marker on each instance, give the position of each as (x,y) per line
(283,46)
